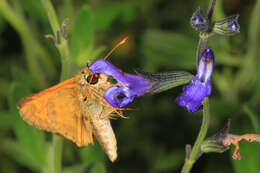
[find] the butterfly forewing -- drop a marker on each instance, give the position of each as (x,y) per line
(58,109)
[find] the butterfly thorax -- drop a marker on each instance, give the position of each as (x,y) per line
(97,110)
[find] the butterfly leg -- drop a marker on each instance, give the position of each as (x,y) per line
(117,110)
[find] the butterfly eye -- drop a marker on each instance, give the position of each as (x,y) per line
(93,78)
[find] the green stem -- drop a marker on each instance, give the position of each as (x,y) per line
(63,48)
(191,159)
(211,8)
(17,20)
(57,143)
(63,45)
(201,47)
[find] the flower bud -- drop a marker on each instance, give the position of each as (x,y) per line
(199,21)
(205,65)
(227,27)
(209,146)
(215,142)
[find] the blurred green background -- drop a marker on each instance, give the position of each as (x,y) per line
(153,139)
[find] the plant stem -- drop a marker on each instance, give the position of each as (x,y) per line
(18,22)
(203,39)
(195,152)
(212,5)
(201,47)
(62,46)
(56,155)
(191,159)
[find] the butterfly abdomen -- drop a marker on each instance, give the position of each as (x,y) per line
(105,135)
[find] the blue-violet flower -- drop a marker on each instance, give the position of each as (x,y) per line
(228,26)
(200,85)
(199,21)
(132,85)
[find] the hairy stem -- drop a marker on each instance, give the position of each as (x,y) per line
(16,19)
(201,47)
(194,154)
(62,45)
(203,39)
(191,159)
(211,9)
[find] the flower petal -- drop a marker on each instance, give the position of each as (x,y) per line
(103,66)
(199,21)
(132,85)
(118,96)
(205,65)
(193,94)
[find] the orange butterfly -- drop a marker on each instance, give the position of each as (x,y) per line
(76,109)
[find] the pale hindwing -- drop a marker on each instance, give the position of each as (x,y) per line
(64,113)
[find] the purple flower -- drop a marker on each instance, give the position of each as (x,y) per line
(199,21)
(200,85)
(228,26)
(120,96)
(234,26)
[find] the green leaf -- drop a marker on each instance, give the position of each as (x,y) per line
(25,78)
(82,35)
(2,25)
(121,10)
(92,154)
(169,49)
(253,117)
(75,169)
(19,154)
(98,167)
(34,9)
(89,54)
(5,120)
(221,108)
(166,161)
(249,152)
(30,139)
(250,158)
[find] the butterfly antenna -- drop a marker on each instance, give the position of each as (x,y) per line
(116,46)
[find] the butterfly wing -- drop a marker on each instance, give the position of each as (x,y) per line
(58,109)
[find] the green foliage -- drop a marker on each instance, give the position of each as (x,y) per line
(30,141)
(166,48)
(167,161)
(82,35)
(115,10)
